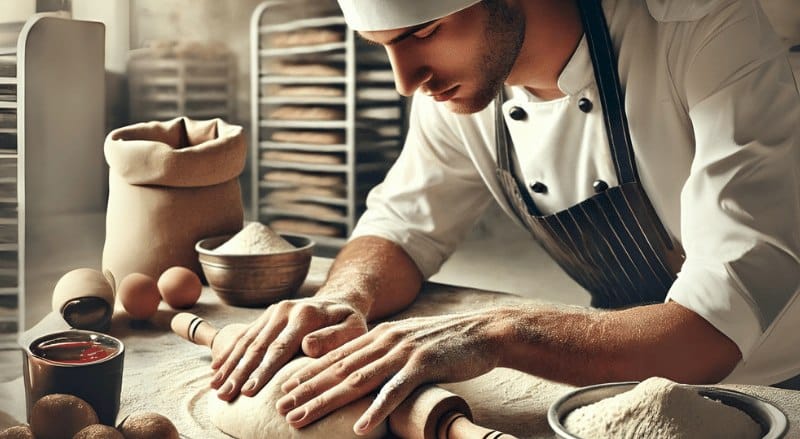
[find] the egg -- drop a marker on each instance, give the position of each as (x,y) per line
(180,287)
(139,295)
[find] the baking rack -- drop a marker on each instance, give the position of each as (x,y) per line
(51,124)
(169,79)
(326,120)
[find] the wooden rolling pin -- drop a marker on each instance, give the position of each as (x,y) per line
(430,412)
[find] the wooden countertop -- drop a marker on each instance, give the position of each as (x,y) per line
(166,374)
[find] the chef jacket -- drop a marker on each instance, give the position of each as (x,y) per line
(714,117)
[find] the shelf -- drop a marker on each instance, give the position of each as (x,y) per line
(302,80)
(277,212)
(309,124)
(301,50)
(310,167)
(302,23)
(278,100)
(7,80)
(268,145)
(8,104)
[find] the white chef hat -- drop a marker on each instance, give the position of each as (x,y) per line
(373,15)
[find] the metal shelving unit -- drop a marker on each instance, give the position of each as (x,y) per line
(10,301)
(182,79)
(327,122)
(54,69)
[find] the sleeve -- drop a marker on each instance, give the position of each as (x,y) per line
(740,206)
(433,194)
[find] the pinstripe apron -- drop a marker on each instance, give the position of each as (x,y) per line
(612,244)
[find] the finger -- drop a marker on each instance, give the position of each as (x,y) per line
(394,392)
(278,354)
(329,338)
(250,333)
(353,369)
(246,356)
(355,386)
(319,365)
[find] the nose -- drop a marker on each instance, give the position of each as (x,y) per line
(409,73)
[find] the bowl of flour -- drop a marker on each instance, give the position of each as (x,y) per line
(256,266)
(658,408)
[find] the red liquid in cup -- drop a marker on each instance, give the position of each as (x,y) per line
(74,352)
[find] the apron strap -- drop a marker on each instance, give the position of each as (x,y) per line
(611,97)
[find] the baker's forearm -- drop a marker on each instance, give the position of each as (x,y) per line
(374,275)
(583,347)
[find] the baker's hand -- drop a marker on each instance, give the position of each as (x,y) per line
(315,325)
(397,357)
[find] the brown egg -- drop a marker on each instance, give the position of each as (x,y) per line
(139,295)
(17,432)
(147,426)
(59,416)
(180,287)
(98,431)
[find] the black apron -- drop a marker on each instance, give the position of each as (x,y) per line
(612,244)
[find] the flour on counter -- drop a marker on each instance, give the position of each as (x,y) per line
(658,408)
(255,238)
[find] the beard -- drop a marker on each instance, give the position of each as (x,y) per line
(504,32)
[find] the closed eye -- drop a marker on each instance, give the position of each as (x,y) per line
(427,31)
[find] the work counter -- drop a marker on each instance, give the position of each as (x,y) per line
(166,374)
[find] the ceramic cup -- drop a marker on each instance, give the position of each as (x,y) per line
(86,364)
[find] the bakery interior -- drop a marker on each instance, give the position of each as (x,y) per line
(72,71)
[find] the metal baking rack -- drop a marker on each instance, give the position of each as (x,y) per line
(326,120)
(167,82)
(42,136)
(10,315)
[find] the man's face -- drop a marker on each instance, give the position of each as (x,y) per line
(461,59)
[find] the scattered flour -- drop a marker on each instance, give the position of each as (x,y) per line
(658,408)
(255,238)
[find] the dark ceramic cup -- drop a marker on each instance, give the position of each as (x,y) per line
(86,364)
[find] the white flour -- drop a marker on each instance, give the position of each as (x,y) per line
(661,409)
(255,238)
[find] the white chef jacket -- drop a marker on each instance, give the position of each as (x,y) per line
(713,112)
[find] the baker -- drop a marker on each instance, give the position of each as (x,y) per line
(651,147)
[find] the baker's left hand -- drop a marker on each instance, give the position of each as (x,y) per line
(397,357)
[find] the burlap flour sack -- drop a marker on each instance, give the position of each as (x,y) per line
(170,185)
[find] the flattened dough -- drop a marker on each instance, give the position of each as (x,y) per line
(256,418)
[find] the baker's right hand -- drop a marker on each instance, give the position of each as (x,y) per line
(315,325)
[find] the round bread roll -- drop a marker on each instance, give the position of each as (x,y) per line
(147,426)
(17,432)
(59,416)
(98,431)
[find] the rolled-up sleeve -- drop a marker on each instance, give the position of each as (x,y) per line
(432,195)
(740,206)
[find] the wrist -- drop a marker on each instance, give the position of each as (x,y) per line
(349,290)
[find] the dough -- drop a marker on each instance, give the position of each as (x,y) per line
(307,113)
(303,157)
(256,418)
(314,137)
(306,227)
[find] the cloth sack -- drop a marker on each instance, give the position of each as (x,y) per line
(170,184)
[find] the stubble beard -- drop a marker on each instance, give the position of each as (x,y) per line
(505,31)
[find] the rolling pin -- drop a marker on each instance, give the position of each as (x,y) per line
(430,412)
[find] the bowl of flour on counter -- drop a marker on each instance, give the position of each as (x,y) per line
(658,408)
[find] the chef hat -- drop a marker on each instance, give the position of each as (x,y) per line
(373,15)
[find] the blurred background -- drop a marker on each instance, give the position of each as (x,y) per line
(318,106)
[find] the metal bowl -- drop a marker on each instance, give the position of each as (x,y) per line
(773,422)
(259,279)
